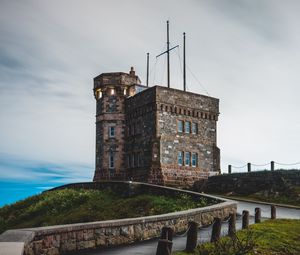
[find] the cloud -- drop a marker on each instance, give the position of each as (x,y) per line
(13,168)
(244,52)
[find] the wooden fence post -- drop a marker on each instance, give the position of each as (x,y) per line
(167,233)
(192,236)
(249,167)
(257,215)
(216,230)
(272,165)
(231,224)
(245,219)
(273,212)
(164,247)
(229,169)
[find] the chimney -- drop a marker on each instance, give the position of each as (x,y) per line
(132,72)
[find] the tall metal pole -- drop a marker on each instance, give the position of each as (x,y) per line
(147,82)
(184,67)
(168,54)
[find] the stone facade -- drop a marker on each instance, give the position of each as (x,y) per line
(148,144)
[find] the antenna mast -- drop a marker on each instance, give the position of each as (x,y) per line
(168,53)
(147,81)
(184,65)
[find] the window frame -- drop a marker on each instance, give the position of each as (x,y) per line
(180,130)
(111,160)
(110,128)
(187,124)
(194,128)
(180,157)
(187,158)
(194,161)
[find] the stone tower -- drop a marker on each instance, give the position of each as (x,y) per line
(153,134)
(111,91)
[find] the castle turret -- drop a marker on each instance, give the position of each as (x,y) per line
(110,91)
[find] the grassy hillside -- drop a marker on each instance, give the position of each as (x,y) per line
(72,206)
(280,186)
(272,237)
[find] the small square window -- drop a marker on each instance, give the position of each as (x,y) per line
(187,158)
(112,131)
(180,126)
(187,127)
(194,128)
(180,158)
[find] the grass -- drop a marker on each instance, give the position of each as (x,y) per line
(290,197)
(272,237)
(73,206)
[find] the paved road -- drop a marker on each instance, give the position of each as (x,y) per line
(149,247)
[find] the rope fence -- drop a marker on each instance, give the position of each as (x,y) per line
(272,165)
(165,244)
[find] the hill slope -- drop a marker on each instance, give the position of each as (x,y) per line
(79,205)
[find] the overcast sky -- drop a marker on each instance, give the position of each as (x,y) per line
(244,52)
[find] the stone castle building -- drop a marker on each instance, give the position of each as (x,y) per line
(153,134)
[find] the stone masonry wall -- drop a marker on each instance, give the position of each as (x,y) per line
(65,239)
(173,106)
(141,140)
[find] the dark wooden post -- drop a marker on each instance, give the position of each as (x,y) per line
(272,165)
(229,169)
(257,215)
(245,219)
(164,247)
(192,236)
(249,167)
(216,230)
(167,233)
(273,212)
(231,224)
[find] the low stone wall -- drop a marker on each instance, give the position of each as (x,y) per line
(64,239)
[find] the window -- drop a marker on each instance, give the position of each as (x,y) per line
(194,128)
(180,158)
(133,160)
(187,127)
(98,93)
(180,126)
(187,158)
(194,159)
(128,161)
(111,91)
(138,159)
(111,131)
(111,160)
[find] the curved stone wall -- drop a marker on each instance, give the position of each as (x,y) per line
(69,238)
